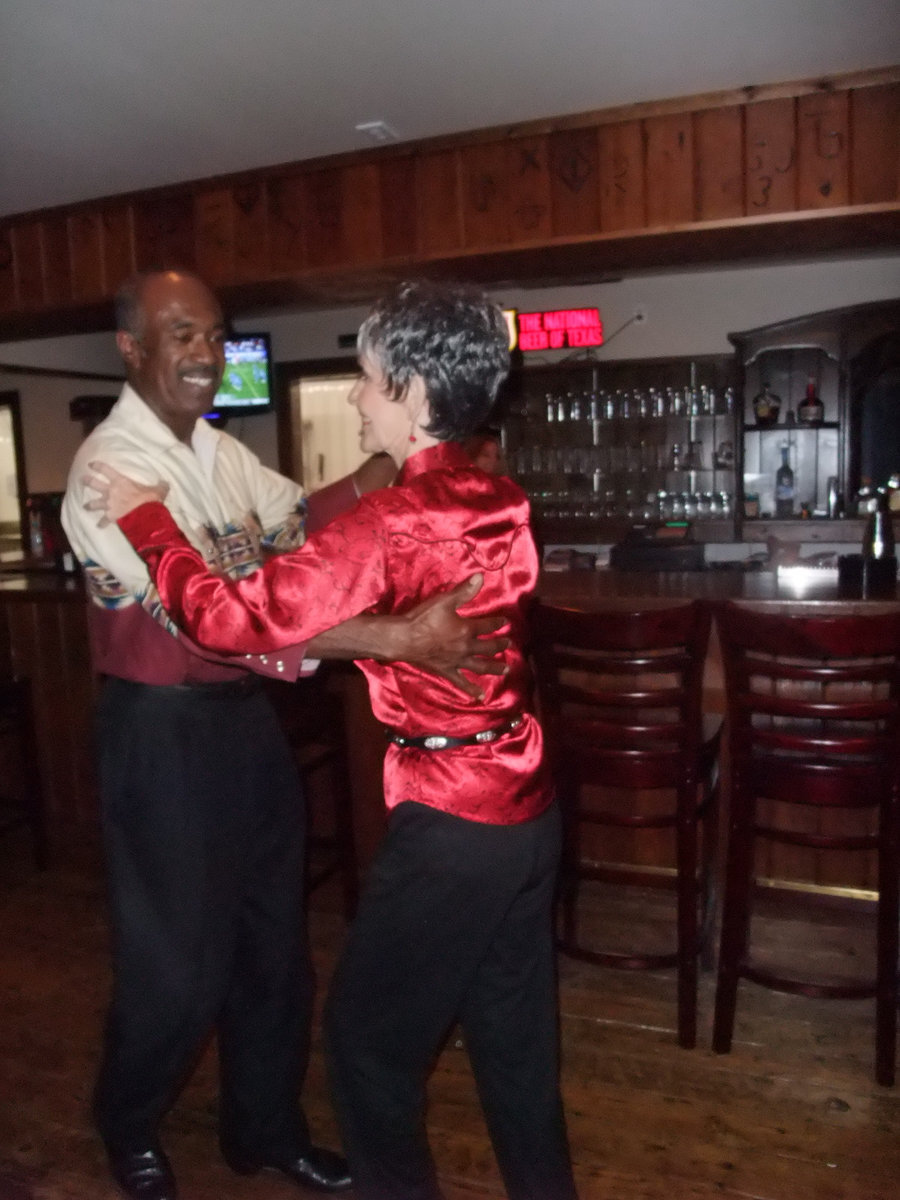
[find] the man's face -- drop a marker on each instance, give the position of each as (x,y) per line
(176,362)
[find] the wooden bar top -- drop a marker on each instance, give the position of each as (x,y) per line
(39,586)
(590,590)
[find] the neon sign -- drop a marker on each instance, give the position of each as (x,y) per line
(560,329)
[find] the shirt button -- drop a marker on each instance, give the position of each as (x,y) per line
(279,665)
(263,658)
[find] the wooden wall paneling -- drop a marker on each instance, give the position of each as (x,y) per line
(164,233)
(529,216)
(670,170)
(823,157)
(848,868)
(623,193)
(8,301)
(118,246)
(719,163)
(656,166)
(361,207)
(574,181)
(214,225)
(485,194)
(438,203)
(251,231)
(397,194)
(323,208)
(27,264)
(770,141)
(56,261)
(875,144)
(287,221)
(86,242)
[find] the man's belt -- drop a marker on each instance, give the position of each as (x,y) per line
(442,741)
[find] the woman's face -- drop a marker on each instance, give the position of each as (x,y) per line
(385,424)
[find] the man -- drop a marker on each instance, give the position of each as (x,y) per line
(202,824)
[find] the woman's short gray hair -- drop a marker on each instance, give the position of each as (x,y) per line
(453,336)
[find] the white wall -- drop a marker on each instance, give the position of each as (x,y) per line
(688,312)
(49,435)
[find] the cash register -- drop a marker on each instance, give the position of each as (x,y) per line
(658,546)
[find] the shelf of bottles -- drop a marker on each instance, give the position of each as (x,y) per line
(633,442)
(792,427)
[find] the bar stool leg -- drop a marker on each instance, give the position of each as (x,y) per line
(735,924)
(569,876)
(886,993)
(686,835)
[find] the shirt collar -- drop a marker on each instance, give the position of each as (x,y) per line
(140,416)
(444,455)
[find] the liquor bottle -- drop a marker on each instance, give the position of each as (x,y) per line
(878,537)
(811,410)
(766,406)
(784,486)
(865,498)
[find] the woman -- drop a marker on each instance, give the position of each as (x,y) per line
(455,920)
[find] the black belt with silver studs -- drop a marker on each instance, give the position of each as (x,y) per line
(441,741)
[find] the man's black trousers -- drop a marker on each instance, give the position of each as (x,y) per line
(203,827)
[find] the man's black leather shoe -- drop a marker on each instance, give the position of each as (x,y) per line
(144,1175)
(318,1169)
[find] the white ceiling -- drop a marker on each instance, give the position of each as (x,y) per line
(99,97)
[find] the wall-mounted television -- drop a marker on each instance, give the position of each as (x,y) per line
(247,379)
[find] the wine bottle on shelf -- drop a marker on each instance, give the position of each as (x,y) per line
(766,407)
(811,410)
(784,486)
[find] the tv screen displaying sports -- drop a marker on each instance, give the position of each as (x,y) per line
(247,379)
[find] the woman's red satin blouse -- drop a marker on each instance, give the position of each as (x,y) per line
(440,523)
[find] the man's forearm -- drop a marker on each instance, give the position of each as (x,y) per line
(365,636)
(432,636)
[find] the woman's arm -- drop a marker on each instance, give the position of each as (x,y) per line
(302,594)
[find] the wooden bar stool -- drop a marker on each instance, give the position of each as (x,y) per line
(813,721)
(621,700)
(17,724)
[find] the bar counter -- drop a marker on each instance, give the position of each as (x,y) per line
(44,634)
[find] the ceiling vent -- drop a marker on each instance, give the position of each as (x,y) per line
(378,131)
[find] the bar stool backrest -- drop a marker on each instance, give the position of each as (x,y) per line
(620,695)
(621,692)
(813,717)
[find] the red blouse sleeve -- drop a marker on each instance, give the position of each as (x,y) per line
(337,574)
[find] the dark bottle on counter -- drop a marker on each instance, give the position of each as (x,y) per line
(879,561)
(784,486)
(811,410)
(766,407)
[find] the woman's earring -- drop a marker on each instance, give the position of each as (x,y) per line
(413,438)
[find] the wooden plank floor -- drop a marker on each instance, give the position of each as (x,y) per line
(792,1113)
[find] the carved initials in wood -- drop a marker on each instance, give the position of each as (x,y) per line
(484,190)
(575,170)
(528,161)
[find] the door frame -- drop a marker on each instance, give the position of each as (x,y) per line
(11,400)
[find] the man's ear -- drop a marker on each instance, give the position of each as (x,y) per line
(129,348)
